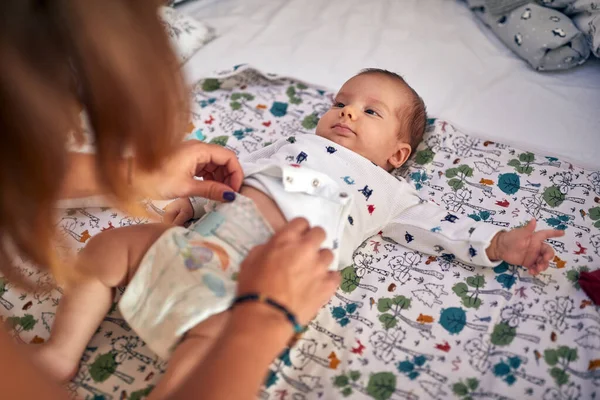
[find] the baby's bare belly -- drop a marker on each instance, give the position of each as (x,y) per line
(266,206)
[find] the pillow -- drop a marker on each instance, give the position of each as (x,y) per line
(187,35)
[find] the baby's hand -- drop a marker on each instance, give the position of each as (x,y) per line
(178,212)
(523,246)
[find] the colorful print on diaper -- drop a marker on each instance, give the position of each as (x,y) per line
(208,225)
(198,254)
(215,284)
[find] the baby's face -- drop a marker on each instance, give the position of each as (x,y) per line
(365,118)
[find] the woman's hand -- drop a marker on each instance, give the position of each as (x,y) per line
(219,167)
(178,212)
(292,270)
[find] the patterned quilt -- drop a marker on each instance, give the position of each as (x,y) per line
(403,325)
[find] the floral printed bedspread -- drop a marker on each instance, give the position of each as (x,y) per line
(403,325)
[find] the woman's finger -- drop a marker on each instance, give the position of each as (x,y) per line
(169,216)
(180,219)
(295,229)
(314,237)
(219,156)
(325,257)
(551,233)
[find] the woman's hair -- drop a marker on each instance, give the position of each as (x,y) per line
(111,58)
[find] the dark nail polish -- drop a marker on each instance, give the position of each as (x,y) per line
(229,196)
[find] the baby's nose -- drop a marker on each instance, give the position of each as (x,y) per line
(349,112)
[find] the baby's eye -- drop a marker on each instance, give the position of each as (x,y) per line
(338,105)
(371,112)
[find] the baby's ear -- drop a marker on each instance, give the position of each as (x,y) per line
(400,155)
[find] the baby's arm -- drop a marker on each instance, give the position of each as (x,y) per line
(431,229)
(179,211)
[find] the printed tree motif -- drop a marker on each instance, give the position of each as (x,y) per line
(564,182)
(458,178)
(467,390)
(142,393)
(591,338)
(508,371)
(504,334)
(26,323)
(364,264)
(304,352)
(240,99)
(564,392)
(346,382)
(560,310)
(68,225)
(382,386)
(387,343)
(342,315)
(425,156)
(351,281)
(310,122)
(470,292)
(594,179)
(488,166)
(484,216)
(220,140)
(594,214)
(513,315)
(211,85)
(534,206)
(467,147)
(293,98)
(560,358)
(124,349)
(80,382)
(420,179)
(403,266)
(481,353)
(430,295)
(523,165)
(457,200)
(573,275)
(554,197)
(106,365)
(392,309)
(4,286)
(412,369)
(454,320)
(304,383)
(510,184)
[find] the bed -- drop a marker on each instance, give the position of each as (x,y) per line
(402,325)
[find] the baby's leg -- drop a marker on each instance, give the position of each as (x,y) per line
(109,260)
(189,353)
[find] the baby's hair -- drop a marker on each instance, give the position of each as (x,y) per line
(416,120)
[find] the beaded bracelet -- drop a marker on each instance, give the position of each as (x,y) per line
(266,300)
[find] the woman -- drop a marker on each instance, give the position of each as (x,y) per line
(112,58)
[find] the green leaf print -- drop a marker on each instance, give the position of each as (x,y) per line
(594,213)
(460,389)
(503,334)
(340,381)
(140,394)
(424,156)
(456,184)
(347,391)
(461,289)
(567,353)
(559,375)
(235,105)
(525,169)
(354,375)
(451,172)
(509,183)
(551,357)
(527,157)
(465,170)
(472,383)
(210,85)
(388,321)
(553,196)
(471,302)
(514,163)
(350,280)
(310,122)
(301,86)
(384,304)
(381,385)
(220,140)
(103,367)
(27,322)
(402,302)
(477,281)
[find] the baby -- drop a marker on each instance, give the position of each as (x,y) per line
(177,278)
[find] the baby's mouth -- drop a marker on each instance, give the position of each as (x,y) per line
(343,130)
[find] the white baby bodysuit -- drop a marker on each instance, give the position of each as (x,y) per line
(352,199)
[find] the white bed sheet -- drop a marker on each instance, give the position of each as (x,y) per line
(462,71)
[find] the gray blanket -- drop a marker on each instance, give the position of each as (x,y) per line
(549,34)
